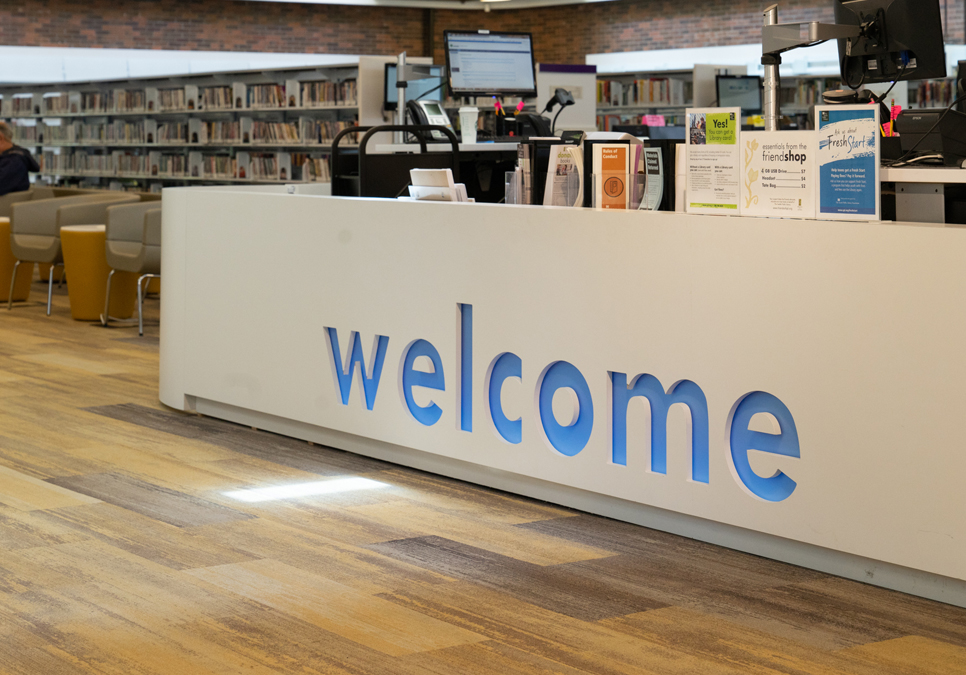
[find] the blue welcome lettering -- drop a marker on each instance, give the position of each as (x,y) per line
(344,376)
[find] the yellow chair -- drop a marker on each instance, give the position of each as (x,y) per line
(21,285)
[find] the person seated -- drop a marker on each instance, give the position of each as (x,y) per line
(15,163)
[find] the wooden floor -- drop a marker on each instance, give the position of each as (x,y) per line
(120,553)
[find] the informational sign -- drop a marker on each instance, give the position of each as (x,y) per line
(778,174)
(848,162)
(653,168)
(610,163)
(713,160)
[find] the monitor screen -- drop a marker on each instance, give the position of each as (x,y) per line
(418,89)
(485,63)
(900,38)
(739,91)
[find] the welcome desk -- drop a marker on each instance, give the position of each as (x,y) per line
(790,388)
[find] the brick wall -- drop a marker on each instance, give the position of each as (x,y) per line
(561,34)
(566,34)
(219,25)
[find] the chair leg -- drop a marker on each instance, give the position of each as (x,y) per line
(13,282)
(105,317)
(142,291)
(50,288)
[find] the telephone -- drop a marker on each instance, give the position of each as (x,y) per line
(429,112)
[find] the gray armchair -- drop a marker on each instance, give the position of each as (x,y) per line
(133,245)
(35,194)
(35,228)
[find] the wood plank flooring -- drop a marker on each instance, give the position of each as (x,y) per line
(121,553)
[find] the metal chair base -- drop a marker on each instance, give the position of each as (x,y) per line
(50,284)
(142,289)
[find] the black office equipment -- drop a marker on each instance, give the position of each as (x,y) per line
(739,91)
(898,38)
(934,131)
(357,173)
(655,133)
(484,63)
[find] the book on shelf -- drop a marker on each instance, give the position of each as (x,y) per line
(127,101)
(211,165)
(275,132)
(131,164)
(266,96)
(264,166)
(172,132)
(172,99)
(215,98)
(221,132)
(324,93)
(310,169)
(644,91)
(314,130)
(95,102)
(935,93)
(57,104)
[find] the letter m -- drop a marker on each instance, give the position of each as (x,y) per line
(650,387)
(344,374)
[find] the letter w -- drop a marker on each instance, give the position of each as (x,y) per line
(344,375)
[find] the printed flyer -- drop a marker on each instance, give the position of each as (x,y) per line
(778,174)
(651,165)
(713,162)
(848,162)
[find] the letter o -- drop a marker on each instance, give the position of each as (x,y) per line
(571,439)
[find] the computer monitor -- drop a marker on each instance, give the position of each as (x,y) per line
(898,37)
(487,63)
(739,91)
(416,90)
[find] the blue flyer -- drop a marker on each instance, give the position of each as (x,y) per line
(848,162)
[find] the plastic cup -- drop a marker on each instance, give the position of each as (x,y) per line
(468,119)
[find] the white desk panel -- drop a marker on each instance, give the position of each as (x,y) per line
(858,329)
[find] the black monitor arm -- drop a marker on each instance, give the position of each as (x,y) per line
(778,38)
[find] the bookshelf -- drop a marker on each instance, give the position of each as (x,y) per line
(624,97)
(262,126)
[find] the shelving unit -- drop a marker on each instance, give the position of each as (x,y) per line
(623,98)
(263,126)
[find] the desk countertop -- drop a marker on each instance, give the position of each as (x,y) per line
(923,174)
(385,148)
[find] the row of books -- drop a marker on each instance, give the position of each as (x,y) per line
(645,91)
(934,94)
(245,130)
(282,166)
(216,98)
(238,95)
(275,132)
(322,131)
(320,94)
(608,122)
